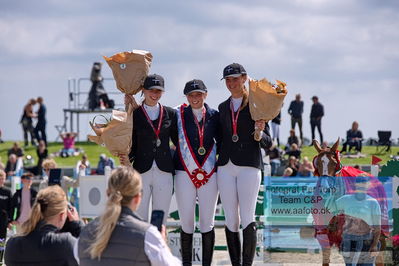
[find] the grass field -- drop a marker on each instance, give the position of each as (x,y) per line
(93,152)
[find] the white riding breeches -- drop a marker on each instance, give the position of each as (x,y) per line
(187,195)
(275,130)
(158,186)
(239,188)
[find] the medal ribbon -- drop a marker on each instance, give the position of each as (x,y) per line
(234,119)
(158,130)
(200,129)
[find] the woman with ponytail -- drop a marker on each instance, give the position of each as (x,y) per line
(119,236)
(40,241)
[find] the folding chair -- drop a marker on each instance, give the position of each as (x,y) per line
(384,140)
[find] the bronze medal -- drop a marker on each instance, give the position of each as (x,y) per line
(201,151)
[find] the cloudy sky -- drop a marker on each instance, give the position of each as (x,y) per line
(344,51)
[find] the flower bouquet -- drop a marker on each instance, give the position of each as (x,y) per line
(265,100)
(130,69)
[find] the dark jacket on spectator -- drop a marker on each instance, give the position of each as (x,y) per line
(16,202)
(45,245)
(5,209)
(317,111)
(10,167)
(296,109)
(277,119)
(18,152)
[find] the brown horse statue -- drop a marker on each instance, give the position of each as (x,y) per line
(334,182)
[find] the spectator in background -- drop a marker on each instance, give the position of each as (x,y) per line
(103,162)
(354,138)
(83,164)
(40,129)
(316,113)
(294,151)
(27,123)
(275,158)
(276,128)
(306,168)
(294,165)
(5,209)
(11,166)
(41,242)
(42,154)
(16,150)
(68,139)
(296,110)
(1,140)
(291,140)
(66,182)
(22,201)
(100,241)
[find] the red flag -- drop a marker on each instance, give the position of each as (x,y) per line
(375,159)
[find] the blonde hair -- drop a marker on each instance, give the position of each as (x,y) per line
(123,185)
(288,171)
(49,202)
(49,164)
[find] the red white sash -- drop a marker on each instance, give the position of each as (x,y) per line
(198,173)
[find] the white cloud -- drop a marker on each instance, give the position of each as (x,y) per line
(340,50)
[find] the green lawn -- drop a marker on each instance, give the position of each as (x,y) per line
(93,151)
(310,152)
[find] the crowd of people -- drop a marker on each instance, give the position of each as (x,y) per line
(208,162)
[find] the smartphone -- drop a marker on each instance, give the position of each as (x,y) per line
(157,219)
(54,177)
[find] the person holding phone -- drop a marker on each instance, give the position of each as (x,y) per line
(53,176)
(153,126)
(40,241)
(239,165)
(119,236)
(195,164)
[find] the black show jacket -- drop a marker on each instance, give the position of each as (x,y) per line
(245,152)
(211,133)
(144,149)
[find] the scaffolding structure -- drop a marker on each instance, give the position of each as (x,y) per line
(78,95)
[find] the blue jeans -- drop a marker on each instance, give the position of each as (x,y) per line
(355,249)
(275,164)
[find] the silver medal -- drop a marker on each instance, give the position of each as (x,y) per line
(158,143)
(234,138)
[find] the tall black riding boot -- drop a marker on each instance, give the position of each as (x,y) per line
(186,242)
(249,244)
(234,246)
(208,242)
